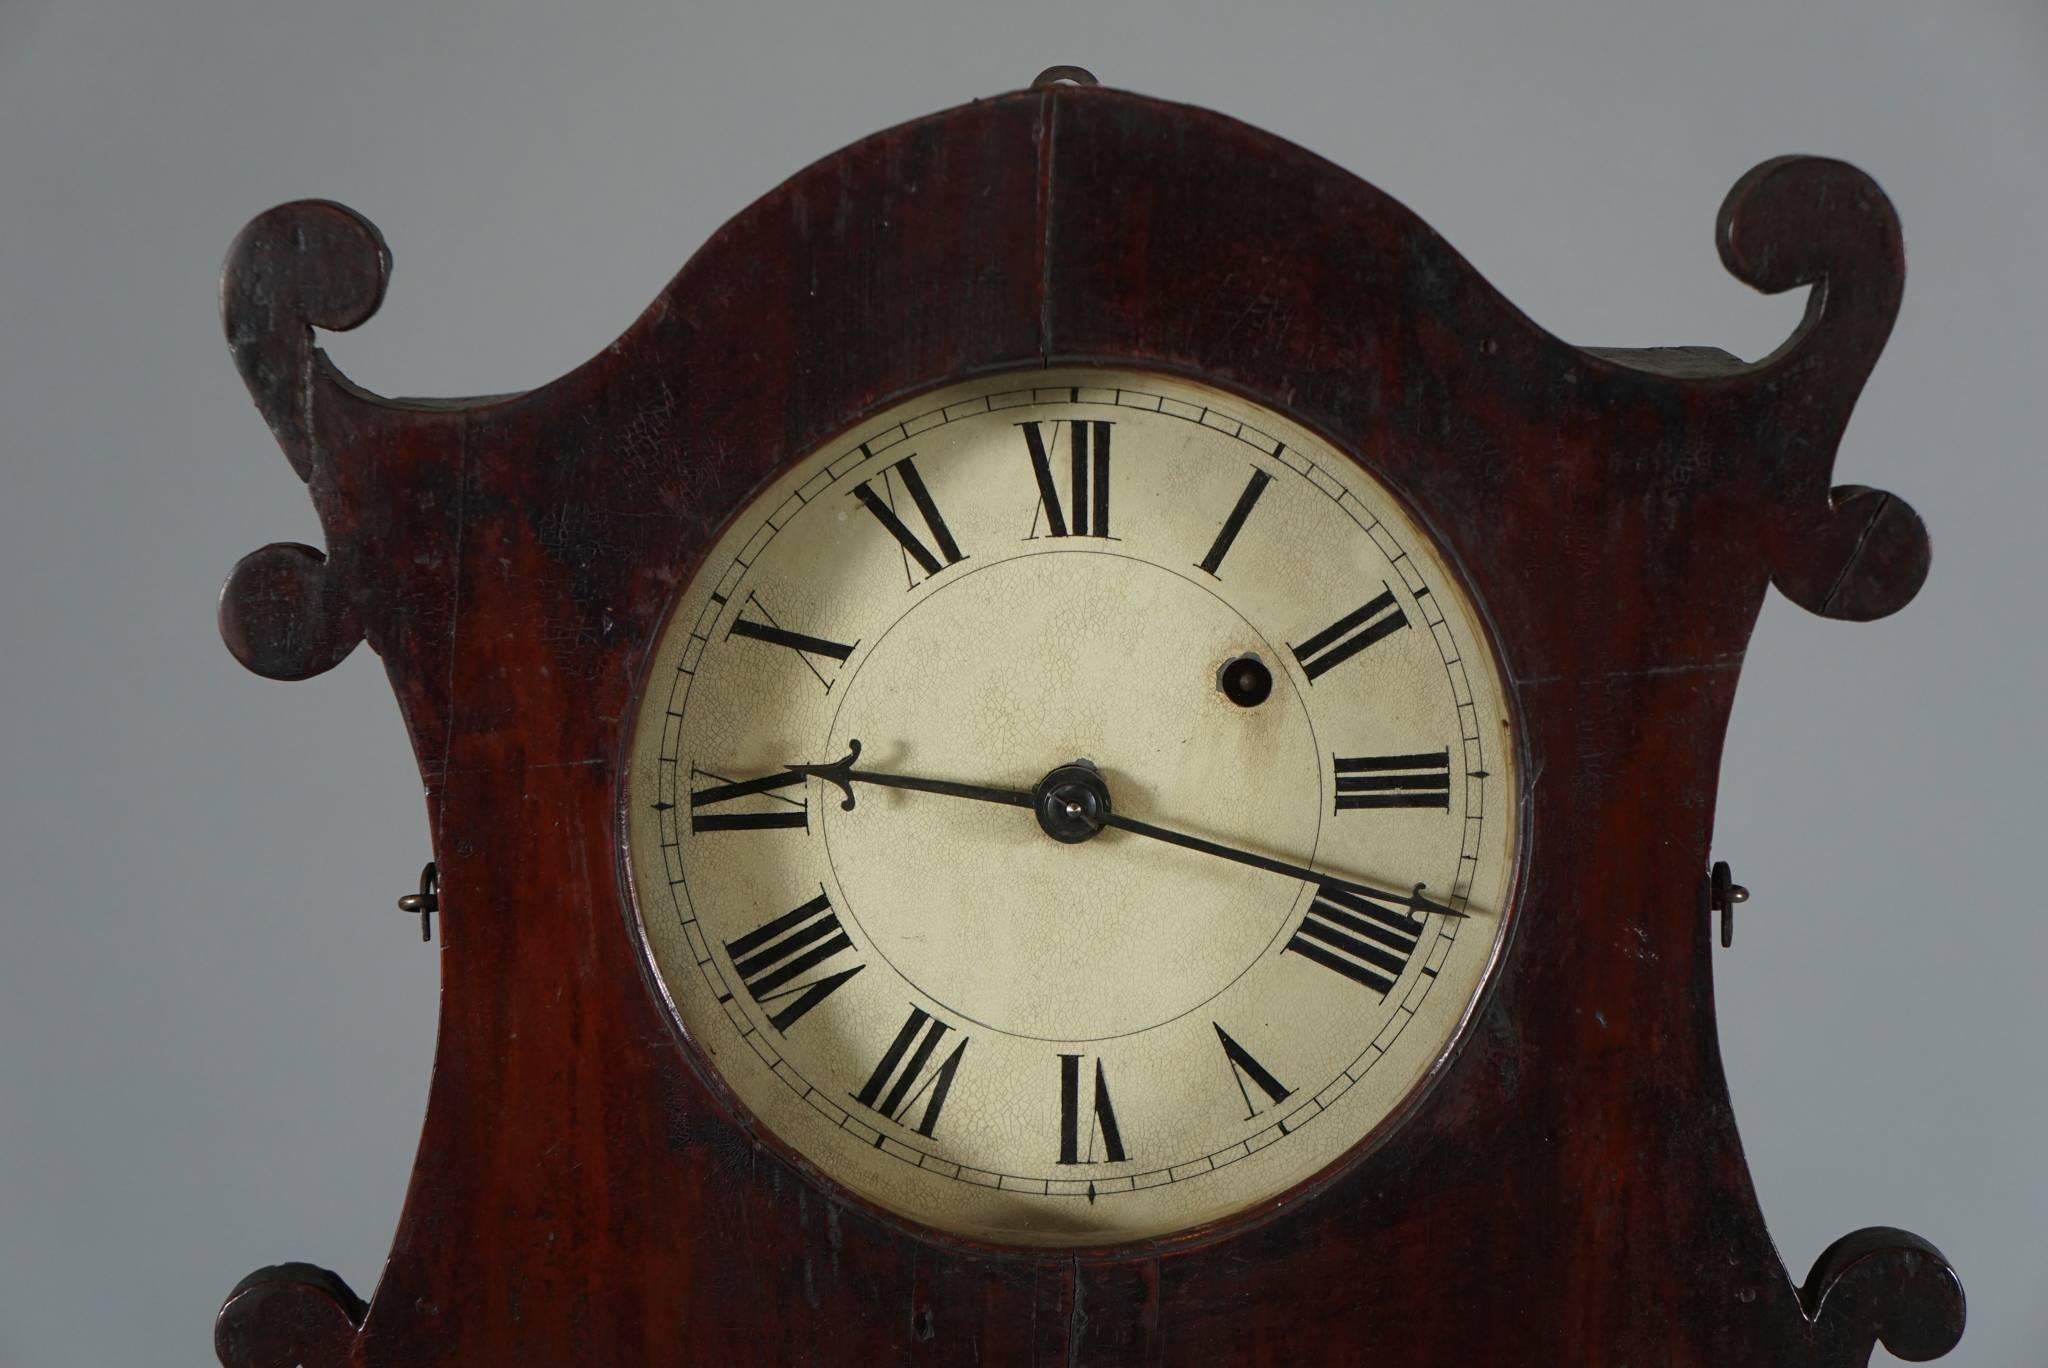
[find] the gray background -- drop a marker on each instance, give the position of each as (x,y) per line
(215,1031)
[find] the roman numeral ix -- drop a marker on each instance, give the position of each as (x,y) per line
(1074,1147)
(883,506)
(771,960)
(1394,781)
(1358,937)
(1086,513)
(1380,618)
(898,1084)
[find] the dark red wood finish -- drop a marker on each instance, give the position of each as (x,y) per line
(1572,1192)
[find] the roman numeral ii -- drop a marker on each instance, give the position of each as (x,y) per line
(1380,618)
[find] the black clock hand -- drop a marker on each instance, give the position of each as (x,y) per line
(844,776)
(1414,901)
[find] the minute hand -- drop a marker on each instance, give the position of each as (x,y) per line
(1413,900)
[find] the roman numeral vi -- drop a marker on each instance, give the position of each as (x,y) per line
(1074,1147)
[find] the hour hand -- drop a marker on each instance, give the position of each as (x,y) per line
(842,775)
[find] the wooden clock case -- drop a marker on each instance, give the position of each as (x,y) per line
(1569,1191)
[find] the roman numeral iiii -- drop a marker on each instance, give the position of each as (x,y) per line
(772,960)
(1358,937)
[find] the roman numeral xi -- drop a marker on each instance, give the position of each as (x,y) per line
(883,506)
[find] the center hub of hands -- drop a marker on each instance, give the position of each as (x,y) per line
(1031,663)
(1072,802)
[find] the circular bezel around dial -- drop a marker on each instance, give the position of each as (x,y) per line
(1179,601)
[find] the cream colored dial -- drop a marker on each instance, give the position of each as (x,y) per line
(1074,807)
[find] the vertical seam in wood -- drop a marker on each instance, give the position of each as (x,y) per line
(454,633)
(1048,123)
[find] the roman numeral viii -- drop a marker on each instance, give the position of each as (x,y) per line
(1380,618)
(883,506)
(772,961)
(1076,1148)
(899,1083)
(1394,781)
(1358,937)
(1087,512)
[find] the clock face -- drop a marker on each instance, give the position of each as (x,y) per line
(1073,807)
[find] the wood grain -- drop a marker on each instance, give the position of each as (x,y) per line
(1572,1191)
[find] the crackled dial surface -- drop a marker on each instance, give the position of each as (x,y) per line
(1073,807)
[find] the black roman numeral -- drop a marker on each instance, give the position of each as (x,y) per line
(775,634)
(906,1079)
(1381,617)
(1102,1117)
(1394,781)
(1360,938)
(1234,524)
(1087,512)
(771,958)
(795,812)
(1245,1069)
(883,506)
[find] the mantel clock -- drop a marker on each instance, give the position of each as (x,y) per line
(1081,748)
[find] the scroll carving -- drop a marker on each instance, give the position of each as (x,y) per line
(287,611)
(1884,1284)
(289,1316)
(1847,552)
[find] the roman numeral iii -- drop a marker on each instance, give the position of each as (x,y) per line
(899,1083)
(1379,619)
(773,959)
(1358,937)
(883,506)
(1075,1146)
(1394,781)
(1086,514)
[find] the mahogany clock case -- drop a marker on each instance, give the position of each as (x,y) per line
(1570,1190)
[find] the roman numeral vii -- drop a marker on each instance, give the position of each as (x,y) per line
(900,1081)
